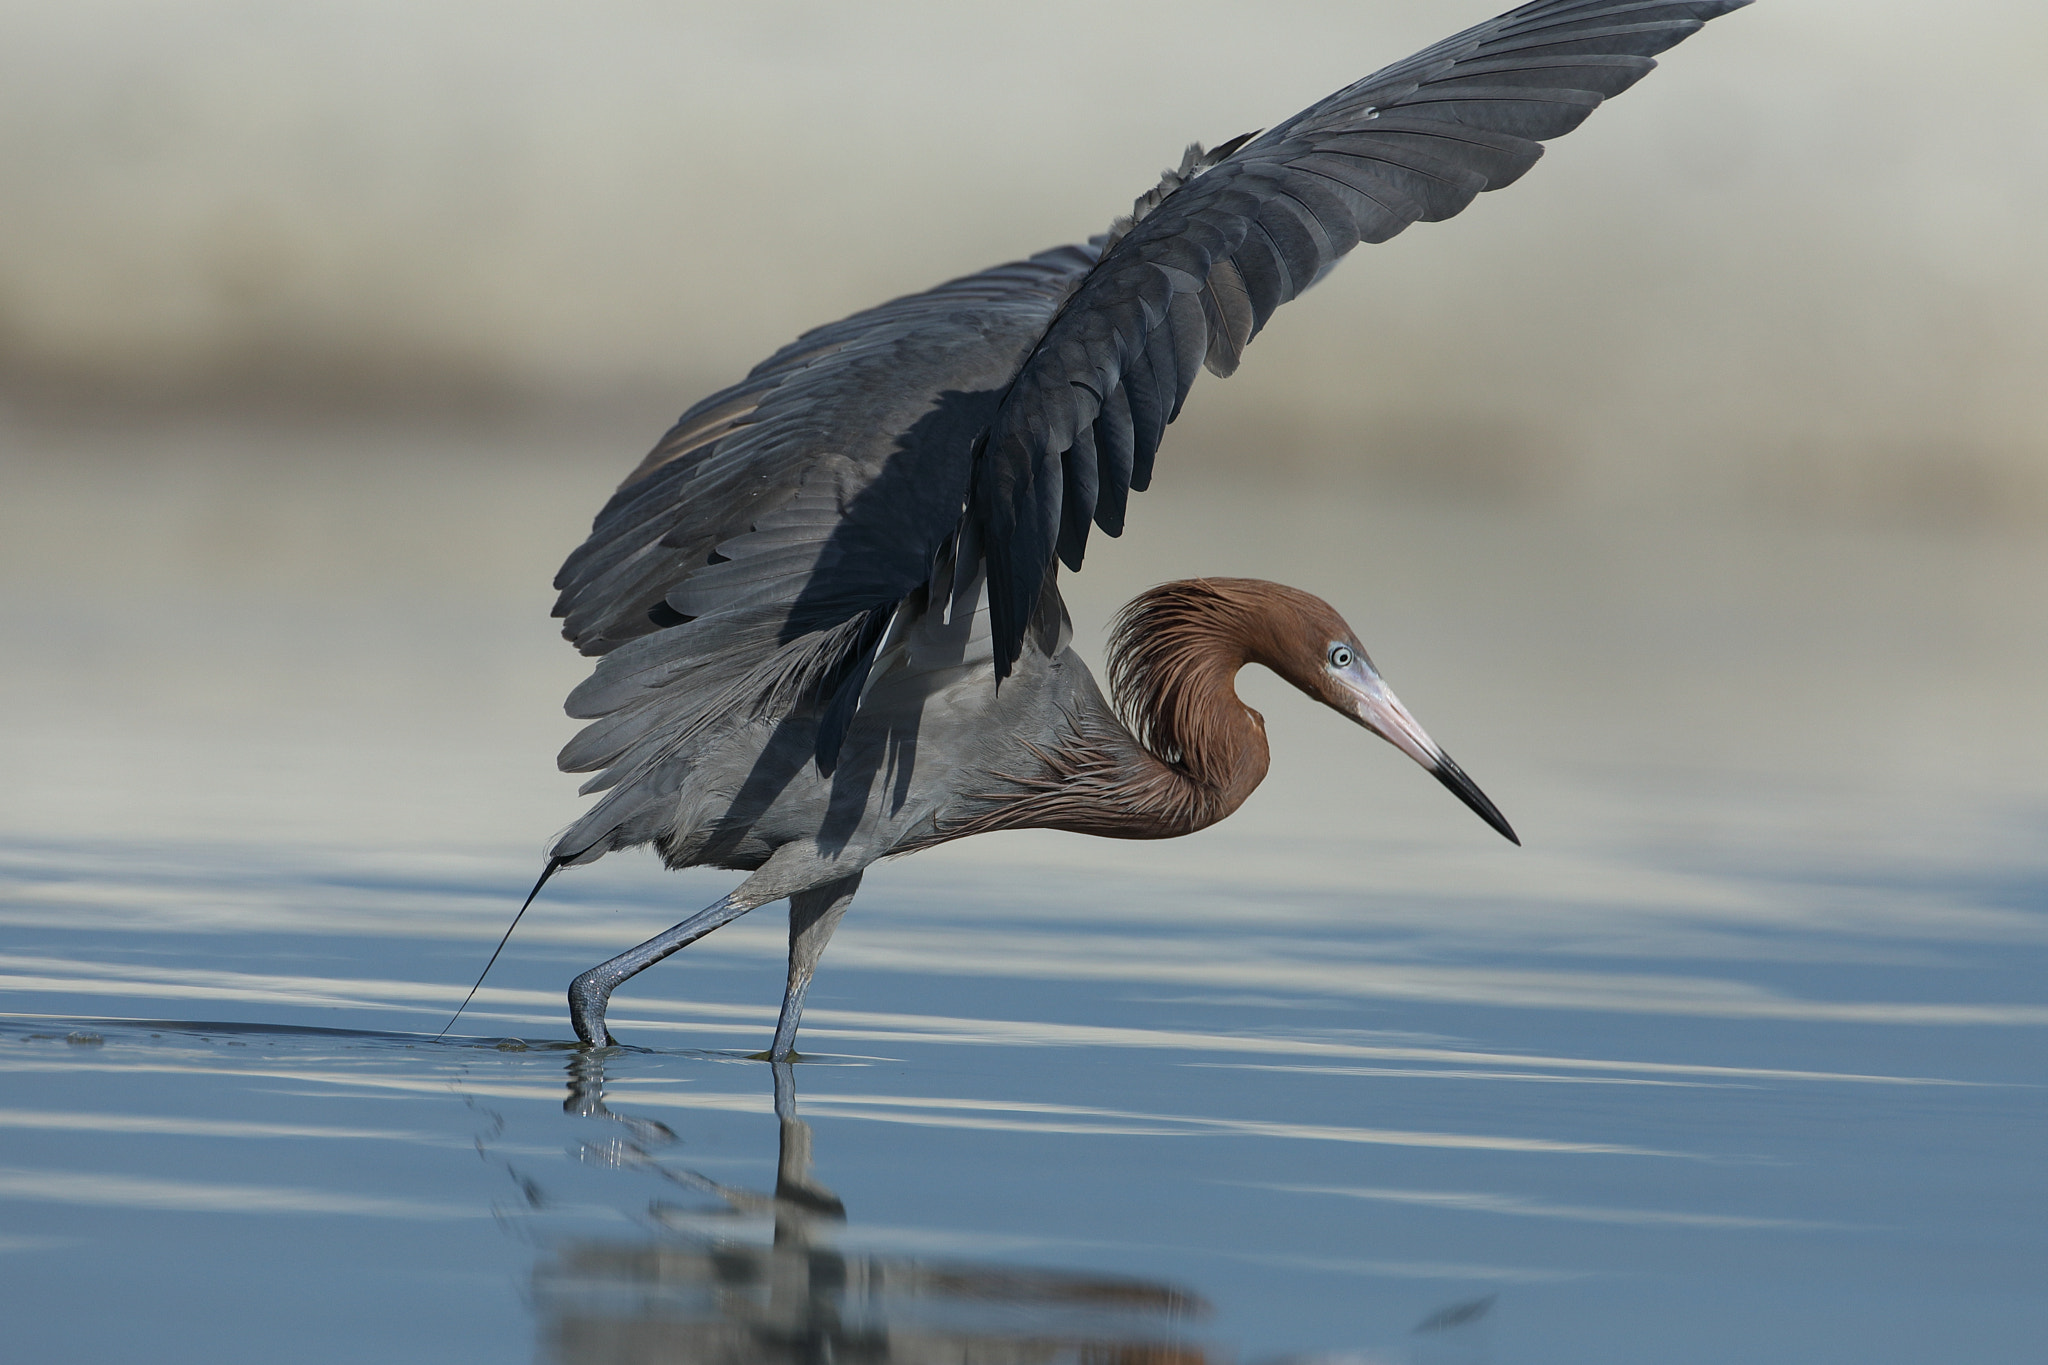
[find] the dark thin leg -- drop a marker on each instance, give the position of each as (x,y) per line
(813,915)
(592,991)
(785,1091)
(798,1195)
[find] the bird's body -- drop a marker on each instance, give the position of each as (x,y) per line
(827,602)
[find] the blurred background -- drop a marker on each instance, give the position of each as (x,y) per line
(324,328)
(1717,441)
(1793,267)
(1691,491)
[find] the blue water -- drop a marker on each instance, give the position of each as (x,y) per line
(1739,1058)
(1205,1138)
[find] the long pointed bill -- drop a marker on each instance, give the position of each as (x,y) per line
(1374,705)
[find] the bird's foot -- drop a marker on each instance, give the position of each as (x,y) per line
(589,994)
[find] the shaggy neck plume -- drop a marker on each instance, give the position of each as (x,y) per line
(1173,662)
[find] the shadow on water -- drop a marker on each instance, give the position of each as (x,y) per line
(294,1153)
(1018,1191)
(718,1285)
(707,1291)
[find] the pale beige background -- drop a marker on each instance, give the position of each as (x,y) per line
(1799,263)
(1691,491)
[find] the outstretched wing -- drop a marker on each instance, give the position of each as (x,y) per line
(752,562)
(769,488)
(1234,236)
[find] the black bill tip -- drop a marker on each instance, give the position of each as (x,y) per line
(1466,790)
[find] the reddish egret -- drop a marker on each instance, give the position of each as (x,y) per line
(827,603)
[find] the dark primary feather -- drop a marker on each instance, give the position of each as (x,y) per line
(1199,274)
(757,557)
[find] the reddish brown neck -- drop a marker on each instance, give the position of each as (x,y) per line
(1173,666)
(1173,662)
(1181,750)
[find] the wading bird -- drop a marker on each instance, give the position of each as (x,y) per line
(827,605)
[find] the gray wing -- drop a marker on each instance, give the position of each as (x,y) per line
(1233,235)
(752,563)
(738,502)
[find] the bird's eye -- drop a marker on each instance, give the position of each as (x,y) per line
(1340,656)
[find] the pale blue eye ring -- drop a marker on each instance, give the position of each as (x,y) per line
(1340,656)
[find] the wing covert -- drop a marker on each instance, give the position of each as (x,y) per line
(758,483)
(753,561)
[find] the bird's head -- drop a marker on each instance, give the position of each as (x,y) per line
(1304,640)
(1319,653)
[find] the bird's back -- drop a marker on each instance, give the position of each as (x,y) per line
(933,748)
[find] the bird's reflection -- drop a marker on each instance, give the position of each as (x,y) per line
(707,1291)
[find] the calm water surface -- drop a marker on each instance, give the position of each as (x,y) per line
(1740,1059)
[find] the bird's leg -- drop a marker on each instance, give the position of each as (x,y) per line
(813,915)
(592,991)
